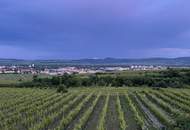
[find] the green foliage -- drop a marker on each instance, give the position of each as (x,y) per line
(102,120)
(36,109)
(162,79)
(160,84)
(140,120)
(120,112)
(86,115)
(65,121)
(171,73)
(62,89)
(183,122)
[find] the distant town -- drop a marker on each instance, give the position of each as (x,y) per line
(32,69)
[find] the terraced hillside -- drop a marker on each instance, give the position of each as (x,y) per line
(94,109)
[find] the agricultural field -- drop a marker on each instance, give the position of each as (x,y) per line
(17,78)
(94,109)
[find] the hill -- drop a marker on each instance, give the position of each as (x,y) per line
(181,61)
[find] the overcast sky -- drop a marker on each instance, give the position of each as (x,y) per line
(73,29)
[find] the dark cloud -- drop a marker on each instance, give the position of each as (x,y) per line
(101,28)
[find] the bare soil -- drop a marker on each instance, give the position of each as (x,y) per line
(93,120)
(153,119)
(58,119)
(129,115)
(112,122)
(80,114)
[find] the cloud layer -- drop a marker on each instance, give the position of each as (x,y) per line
(101,28)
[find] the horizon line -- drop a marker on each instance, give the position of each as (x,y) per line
(93,58)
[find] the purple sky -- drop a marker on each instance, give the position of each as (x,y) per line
(73,29)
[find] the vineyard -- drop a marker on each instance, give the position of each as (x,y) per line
(94,109)
(17,78)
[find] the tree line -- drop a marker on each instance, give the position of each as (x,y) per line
(168,78)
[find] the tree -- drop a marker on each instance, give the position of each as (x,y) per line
(55,80)
(160,84)
(171,73)
(62,89)
(35,78)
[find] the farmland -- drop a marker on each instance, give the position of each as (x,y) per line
(93,109)
(17,78)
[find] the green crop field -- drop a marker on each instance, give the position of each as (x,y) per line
(94,109)
(17,78)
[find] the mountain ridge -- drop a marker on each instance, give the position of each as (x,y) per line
(179,61)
